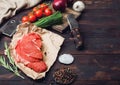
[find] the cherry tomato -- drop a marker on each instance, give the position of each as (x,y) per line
(43,6)
(35,9)
(32,18)
(25,19)
(30,13)
(38,13)
(47,12)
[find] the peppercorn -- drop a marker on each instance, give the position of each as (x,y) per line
(64,76)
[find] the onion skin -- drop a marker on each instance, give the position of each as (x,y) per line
(59,5)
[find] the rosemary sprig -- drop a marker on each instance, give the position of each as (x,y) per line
(11,64)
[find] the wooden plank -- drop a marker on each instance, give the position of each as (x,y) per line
(61,28)
(99,62)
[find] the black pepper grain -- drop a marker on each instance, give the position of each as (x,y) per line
(64,76)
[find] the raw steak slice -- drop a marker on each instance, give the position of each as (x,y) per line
(29,48)
(38,66)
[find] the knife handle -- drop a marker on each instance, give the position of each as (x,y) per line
(0,32)
(77,38)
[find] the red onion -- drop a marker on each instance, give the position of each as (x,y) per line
(59,5)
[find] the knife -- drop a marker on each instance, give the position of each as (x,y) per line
(9,28)
(74,27)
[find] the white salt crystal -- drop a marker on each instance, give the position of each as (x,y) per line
(66,59)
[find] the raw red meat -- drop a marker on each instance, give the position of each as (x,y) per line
(38,66)
(29,47)
(29,52)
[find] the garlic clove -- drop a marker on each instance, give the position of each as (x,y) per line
(78,6)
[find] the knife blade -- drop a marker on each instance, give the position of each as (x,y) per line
(74,27)
(9,28)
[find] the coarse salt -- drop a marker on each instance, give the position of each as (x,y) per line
(66,58)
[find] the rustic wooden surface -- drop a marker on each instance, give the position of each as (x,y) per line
(62,27)
(99,62)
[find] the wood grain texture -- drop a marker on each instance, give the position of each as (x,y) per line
(99,61)
(62,27)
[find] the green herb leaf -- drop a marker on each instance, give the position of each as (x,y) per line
(11,64)
(53,19)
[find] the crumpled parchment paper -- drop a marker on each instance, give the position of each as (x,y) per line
(51,45)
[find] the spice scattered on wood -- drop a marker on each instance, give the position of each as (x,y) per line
(64,76)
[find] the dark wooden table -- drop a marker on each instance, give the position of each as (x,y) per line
(99,62)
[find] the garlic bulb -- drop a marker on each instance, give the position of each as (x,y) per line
(78,6)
